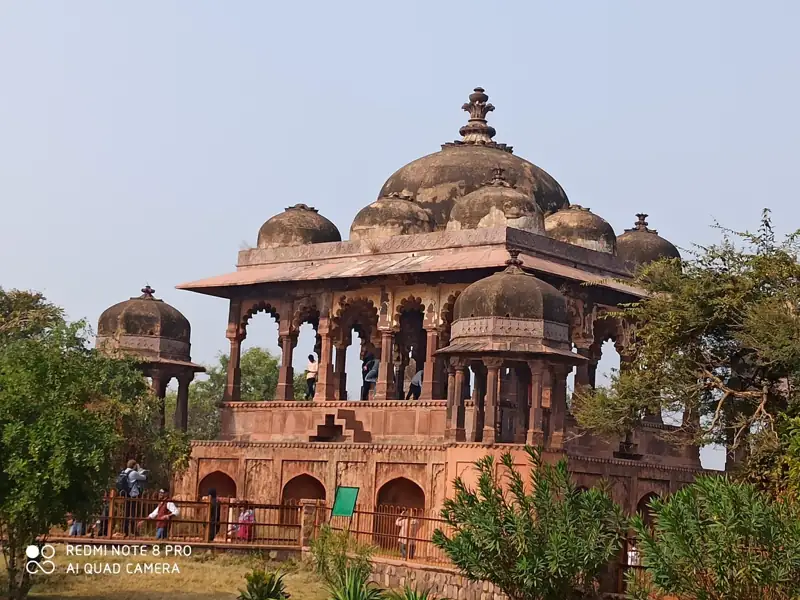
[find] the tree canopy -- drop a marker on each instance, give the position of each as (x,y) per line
(69,418)
(540,541)
(717,339)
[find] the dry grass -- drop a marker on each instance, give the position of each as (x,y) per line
(202,577)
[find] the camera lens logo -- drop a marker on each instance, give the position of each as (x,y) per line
(45,565)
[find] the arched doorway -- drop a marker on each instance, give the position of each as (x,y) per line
(395,497)
(225,486)
(643,509)
(302,487)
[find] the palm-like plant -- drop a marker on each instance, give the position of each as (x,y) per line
(409,593)
(262,585)
(354,584)
(539,543)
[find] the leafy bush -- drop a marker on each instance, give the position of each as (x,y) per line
(336,554)
(262,585)
(541,544)
(717,539)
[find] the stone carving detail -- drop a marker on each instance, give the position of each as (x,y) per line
(482,326)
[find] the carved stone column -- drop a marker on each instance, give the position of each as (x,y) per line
(181,418)
(450,426)
(285,389)
(325,388)
(582,376)
(158,383)
(478,393)
(491,404)
(458,391)
(523,387)
(340,373)
(384,387)
(430,376)
(536,416)
(558,404)
(235,335)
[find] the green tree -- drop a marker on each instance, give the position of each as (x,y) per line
(721,540)
(259,380)
(68,417)
(717,336)
(544,541)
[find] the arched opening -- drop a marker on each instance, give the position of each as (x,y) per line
(608,363)
(400,503)
(307,345)
(261,355)
(356,339)
(225,486)
(410,343)
(643,509)
(302,487)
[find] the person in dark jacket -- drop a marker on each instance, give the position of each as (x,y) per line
(366,366)
(213,528)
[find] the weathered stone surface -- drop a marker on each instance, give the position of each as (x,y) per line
(297,225)
(581,227)
(389,217)
(640,245)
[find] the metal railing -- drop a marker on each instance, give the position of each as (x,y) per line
(392,531)
(225,521)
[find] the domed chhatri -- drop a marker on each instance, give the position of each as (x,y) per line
(513,294)
(641,245)
(297,225)
(145,316)
(581,227)
(437,180)
(497,204)
(396,214)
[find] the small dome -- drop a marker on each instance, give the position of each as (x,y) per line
(297,225)
(497,204)
(144,315)
(514,294)
(396,214)
(437,180)
(581,227)
(641,245)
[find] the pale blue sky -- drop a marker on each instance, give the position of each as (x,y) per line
(144,142)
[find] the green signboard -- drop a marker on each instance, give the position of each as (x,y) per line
(345,502)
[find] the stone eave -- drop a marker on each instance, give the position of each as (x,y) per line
(444,251)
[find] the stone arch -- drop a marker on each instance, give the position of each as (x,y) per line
(410,341)
(257,307)
(446,317)
(394,497)
(360,314)
(401,492)
(303,487)
(222,482)
(643,508)
(300,487)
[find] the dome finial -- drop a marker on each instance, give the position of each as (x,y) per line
(477,131)
(498,178)
(513,264)
(147,292)
(641,223)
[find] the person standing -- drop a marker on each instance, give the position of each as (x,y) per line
(214,507)
(415,387)
(366,365)
(163,514)
(311,377)
(406,536)
(129,485)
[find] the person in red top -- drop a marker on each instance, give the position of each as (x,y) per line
(244,528)
(163,513)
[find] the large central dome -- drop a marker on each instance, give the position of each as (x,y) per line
(437,180)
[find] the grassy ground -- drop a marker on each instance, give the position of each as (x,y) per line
(202,577)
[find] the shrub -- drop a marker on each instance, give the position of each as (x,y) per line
(353,584)
(262,585)
(541,544)
(717,539)
(336,554)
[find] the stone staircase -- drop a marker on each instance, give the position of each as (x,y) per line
(342,427)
